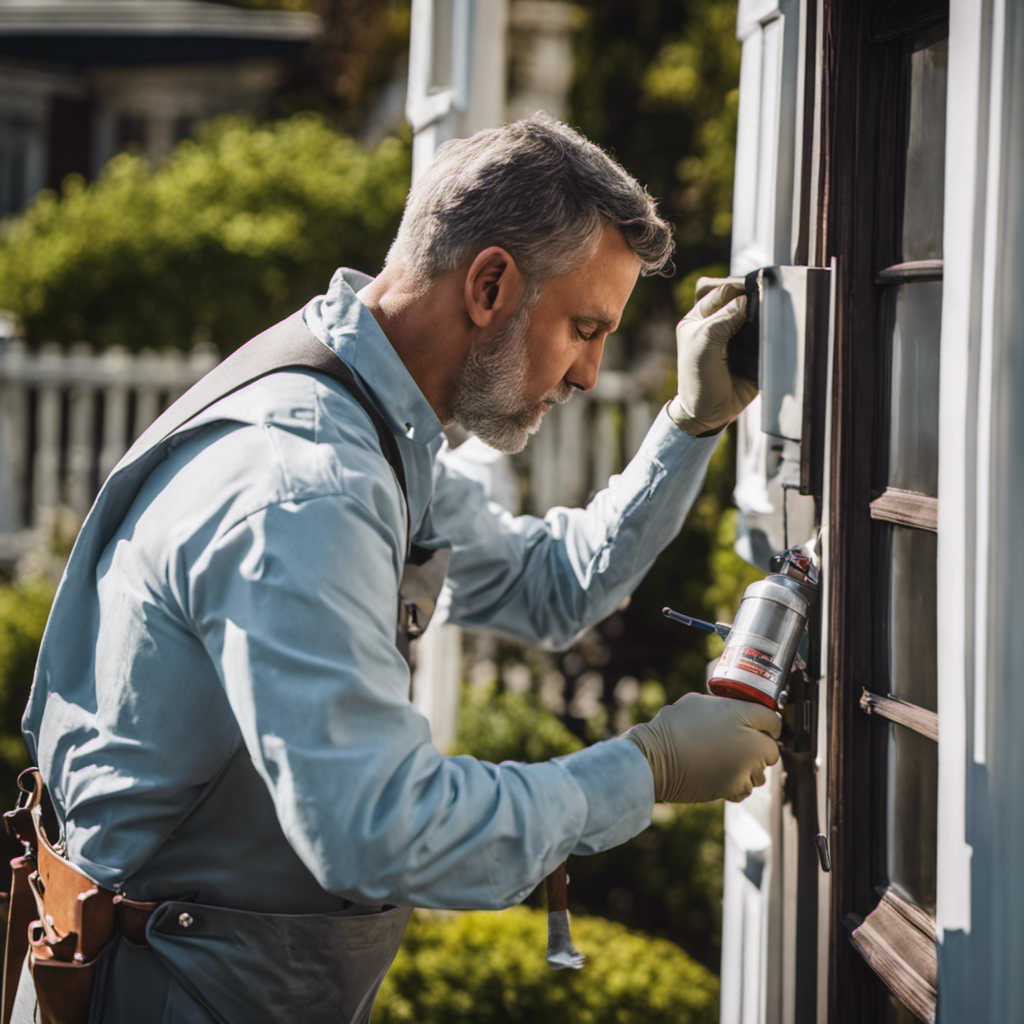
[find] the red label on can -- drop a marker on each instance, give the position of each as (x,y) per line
(742,656)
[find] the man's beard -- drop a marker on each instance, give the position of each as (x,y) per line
(490,396)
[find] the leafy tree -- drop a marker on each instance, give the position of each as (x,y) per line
(271,5)
(667,881)
(24,608)
(508,726)
(359,53)
(236,230)
(656,83)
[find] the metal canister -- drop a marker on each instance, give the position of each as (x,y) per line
(764,638)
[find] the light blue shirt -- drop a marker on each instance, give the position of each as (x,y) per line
(220,707)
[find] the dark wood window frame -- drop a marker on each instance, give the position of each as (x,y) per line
(862,111)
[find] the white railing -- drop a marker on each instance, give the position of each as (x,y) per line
(68,415)
(66,418)
(584,442)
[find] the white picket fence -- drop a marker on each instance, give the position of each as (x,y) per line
(66,418)
(584,442)
(68,415)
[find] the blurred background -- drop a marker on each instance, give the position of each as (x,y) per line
(176,175)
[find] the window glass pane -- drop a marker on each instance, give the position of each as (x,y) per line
(897,1013)
(912,631)
(130,130)
(926,154)
(912,810)
(914,411)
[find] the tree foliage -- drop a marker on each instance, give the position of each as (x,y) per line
(235,231)
(508,726)
(489,968)
(358,54)
(357,57)
(24,608)
(656,83)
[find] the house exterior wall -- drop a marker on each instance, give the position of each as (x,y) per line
(980,913)
(980,886)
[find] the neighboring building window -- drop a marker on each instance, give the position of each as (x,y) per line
(17,137)
(130,132)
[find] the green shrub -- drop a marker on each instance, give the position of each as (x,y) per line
(486,968)
(509,727)
(236,230)
(23,611)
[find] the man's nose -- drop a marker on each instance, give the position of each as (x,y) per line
(583,373)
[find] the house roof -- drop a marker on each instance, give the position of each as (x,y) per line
(147,31)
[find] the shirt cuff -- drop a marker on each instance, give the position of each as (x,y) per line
(667,441)
(619,788)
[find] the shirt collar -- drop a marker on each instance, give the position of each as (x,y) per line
(351,331)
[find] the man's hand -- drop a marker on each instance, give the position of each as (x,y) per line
(704,748)
(710,397)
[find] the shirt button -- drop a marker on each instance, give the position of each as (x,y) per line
(185,920)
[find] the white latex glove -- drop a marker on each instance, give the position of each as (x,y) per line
(704,748)
(710,397)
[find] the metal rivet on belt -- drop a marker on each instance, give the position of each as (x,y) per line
(185,920)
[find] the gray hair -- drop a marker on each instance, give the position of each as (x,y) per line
(537,189)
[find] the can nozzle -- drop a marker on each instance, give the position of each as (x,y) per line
(721,628)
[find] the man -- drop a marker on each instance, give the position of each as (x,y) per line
(221,712)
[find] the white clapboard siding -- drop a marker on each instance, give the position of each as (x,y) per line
(748,876)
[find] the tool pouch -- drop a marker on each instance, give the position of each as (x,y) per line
(58,915)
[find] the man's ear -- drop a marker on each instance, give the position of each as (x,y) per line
(494,287)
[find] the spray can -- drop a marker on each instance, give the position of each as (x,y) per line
(763,641)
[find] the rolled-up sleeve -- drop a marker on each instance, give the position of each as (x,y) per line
(296,607)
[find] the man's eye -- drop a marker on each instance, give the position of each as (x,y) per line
(584,335)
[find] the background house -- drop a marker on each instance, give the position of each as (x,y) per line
(82,79)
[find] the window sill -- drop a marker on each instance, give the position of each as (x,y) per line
(897,940)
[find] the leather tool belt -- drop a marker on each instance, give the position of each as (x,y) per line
(57,915)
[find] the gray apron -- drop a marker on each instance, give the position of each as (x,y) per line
(236,967)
